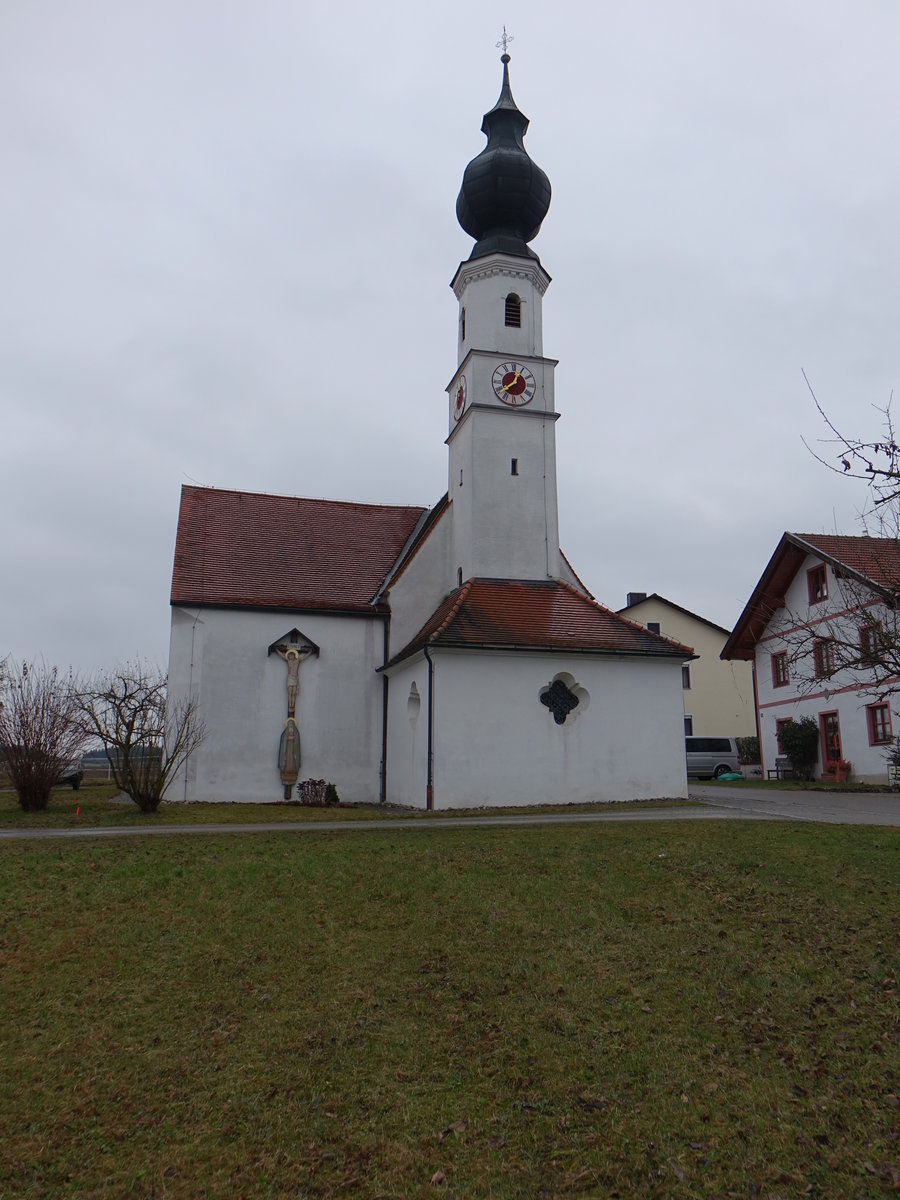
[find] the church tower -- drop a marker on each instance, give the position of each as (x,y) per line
(502,443)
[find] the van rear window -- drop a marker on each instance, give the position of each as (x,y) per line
(708,745)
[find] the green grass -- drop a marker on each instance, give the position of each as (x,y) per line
(653,1010)
(97,805)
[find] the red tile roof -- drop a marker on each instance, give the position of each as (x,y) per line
(875,562)
(518,614)
(873,559)
(251,550)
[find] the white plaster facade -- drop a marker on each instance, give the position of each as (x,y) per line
(779,630)
(839,695)
(219,657)
(495,745)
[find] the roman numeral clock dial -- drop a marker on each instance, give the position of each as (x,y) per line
(513,384)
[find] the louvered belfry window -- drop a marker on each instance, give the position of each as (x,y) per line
(513,310)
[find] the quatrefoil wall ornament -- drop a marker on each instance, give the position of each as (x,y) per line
(560,699)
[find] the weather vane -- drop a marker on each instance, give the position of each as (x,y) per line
(504,41)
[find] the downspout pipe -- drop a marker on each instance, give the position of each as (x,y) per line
(429,786)
(385,684)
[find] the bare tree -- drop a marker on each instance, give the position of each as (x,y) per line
(40,731)
(146,740)
(876,460)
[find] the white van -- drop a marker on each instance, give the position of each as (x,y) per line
(710,757)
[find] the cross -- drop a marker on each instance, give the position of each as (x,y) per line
(505,40)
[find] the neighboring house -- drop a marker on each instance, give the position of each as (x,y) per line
(821,629)
(437,658)
(718,696)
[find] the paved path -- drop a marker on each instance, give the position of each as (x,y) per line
(713,803)
(835,808)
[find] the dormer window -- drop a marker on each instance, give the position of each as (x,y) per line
(513,311)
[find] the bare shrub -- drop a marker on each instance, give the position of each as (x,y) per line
(40,732)
(146,740)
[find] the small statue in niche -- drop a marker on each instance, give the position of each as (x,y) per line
(560,700)
(289,756)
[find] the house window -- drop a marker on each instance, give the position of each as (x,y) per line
(688,726)
(780,676)
(817,582)
(513,310)
(653,626)
(823,657)
(779,726)
(871,642)
(879,718)
(830,729)
(686,676)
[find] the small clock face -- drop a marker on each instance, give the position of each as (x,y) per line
(459,402)
(513,384)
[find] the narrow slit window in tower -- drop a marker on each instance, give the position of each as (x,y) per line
(462,325)
(459,576)
(513,466)
(513,310)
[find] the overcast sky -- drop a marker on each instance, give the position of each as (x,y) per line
(227,232)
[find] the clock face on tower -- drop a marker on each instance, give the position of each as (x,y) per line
(459,402)
(513,384)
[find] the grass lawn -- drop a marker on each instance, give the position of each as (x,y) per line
(620,1010)
(96,805)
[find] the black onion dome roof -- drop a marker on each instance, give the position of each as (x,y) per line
(504,195)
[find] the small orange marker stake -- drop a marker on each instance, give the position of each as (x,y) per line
(77,809)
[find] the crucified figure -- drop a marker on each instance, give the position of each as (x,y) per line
(293,656)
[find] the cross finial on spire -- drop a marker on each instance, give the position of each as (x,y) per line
(504,42)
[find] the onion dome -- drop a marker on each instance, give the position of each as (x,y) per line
(504,195)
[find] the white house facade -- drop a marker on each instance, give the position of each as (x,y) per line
(431,658)
(814,628)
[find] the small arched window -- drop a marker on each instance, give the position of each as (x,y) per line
(513,310)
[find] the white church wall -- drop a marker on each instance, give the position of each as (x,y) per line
(505,525)
(482,285)
(407,756)
(243,701)
(496,744)
(424,583)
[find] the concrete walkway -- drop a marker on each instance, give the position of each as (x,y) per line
(712,803)
(835,808)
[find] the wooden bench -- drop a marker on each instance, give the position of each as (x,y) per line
(781,770)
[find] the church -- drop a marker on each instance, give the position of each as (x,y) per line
(433,658)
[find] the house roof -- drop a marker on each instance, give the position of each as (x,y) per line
(253,550)
(509,614)
(874,562)
(678,608)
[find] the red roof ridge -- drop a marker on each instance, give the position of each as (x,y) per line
(454,608)
(585,588)
(202,487)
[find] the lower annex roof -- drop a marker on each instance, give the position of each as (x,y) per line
(547,615)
